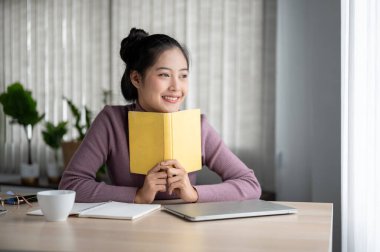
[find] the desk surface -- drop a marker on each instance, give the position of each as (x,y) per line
(308,230)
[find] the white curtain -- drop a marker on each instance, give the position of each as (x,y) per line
(55,49)
(71,48)
(360,125)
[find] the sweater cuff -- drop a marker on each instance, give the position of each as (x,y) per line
(130,194)
(204,193)
(120,194)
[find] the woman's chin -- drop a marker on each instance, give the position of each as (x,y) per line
(169,110)
(170,107)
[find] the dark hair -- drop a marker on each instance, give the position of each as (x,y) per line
(140,51)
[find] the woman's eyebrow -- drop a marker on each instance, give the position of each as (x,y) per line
(162,68)
(167,68)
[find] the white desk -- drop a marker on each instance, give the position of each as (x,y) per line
(308,230)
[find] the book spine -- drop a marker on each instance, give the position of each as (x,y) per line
(168,137)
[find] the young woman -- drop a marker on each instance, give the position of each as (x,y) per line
(155,80)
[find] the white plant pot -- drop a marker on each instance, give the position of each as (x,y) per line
(54,173)
(53,170)
(29,173)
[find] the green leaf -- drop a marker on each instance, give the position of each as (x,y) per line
(88,117)
(53,134)
(19,104)
(81,129)
(74,109)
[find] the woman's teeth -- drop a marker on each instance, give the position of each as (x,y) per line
(170,98)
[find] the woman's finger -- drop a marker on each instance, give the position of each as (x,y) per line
(174,179)
(157,168)
(161,188)
(154,169)
(159,175)
(174,172)
(176,185)
(160,182)
(173,163)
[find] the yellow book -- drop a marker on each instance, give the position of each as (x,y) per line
(155,137)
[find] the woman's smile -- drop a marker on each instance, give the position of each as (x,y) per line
(171,99)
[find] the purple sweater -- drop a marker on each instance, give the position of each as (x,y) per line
(107,142)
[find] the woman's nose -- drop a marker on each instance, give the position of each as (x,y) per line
(174,84)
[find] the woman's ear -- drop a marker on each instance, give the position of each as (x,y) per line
(135,79)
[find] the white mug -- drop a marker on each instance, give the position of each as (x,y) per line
(56,204)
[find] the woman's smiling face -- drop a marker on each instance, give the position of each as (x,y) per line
(164,86)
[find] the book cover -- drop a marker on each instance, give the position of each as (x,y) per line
(155,137)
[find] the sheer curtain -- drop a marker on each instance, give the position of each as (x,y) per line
(360,125)
(71,48)
(55,49)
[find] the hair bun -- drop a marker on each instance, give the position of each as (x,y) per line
(128,44)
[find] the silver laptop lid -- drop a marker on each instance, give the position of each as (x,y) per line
(227,209)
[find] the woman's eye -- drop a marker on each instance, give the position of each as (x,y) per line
(164,75)
(183,76)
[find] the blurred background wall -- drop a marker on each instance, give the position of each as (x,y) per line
(308,111)
(71,48)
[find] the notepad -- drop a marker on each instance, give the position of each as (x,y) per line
(155,137)
(109,210)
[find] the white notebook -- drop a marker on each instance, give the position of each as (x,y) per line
(109,210)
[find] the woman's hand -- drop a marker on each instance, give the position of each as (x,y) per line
(155,181)
(178,181)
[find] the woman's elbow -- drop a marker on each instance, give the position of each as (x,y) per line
(255,189)
(256,194)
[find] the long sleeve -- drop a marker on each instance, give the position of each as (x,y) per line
(238,181)
(105,141)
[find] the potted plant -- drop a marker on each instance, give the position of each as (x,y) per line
(53,136)
(19,104)
(82,123)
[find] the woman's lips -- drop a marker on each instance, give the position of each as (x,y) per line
(171,99)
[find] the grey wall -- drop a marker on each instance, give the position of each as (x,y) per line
(308,104)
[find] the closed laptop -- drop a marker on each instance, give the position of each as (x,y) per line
(227,210)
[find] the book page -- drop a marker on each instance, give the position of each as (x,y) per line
(77,208)
(119,210)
